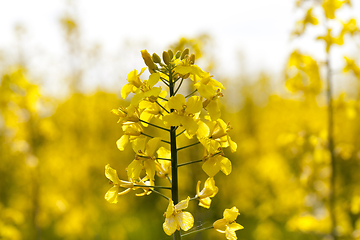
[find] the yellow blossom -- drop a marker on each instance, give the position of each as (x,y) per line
(209,190)
(227,224)
(176,218)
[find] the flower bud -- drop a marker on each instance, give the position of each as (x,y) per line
(192,58)
(171,54)
(156,58)
(177,54)
(166,57)
(184,53)
(147,59)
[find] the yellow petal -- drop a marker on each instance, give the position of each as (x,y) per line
(203,130)
(235,226)
(185,220)
(182,205)
(189,124)
(170,209)
(205,202)
(225,165)
(153,79)
(152,145)
(111,174)
(213,109)
(230,234)
(122,142)
(125,90)
(194,104)
(170,225)
(112,195)
(211,167)
(177,102)
(172,119)
(150,168)
(134,169)
(220,225)
(231,214)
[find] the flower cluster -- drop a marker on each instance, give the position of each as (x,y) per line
(156,103)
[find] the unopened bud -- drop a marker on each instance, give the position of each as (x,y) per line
(192,58)
(147,59)
(156,58)
(177,54)
(166,57)
(184,53)
(171,54)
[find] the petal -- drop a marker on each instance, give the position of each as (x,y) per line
(138,145)
(213,109)
(225,165)
(112,195)
(170,225)
(153,79)
(203,130)
(122,142)
(189,124)
(230,234)
(211,167)
(134,169)
(185,220)
(220,225)
(177,102)
(205,202)
(126,89)
(152,145)
(182,205)
(194,104)
(150,168)
(231,214)
(172,119)
(170,209)
(111,174)
(235,226)
(163,153)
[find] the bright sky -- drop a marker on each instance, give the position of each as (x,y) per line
(259,29)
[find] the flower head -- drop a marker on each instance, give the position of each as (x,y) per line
(176,218)
(227,224)
(209,190)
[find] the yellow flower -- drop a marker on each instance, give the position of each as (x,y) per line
(134,83)
(329,40)
(163,167)
(351,66)
(176,219)
(209,190)
(214,161)
(184,112)
(330,6)
(145,158)
(227,224)
(113,193)
(129,114)
(131,132)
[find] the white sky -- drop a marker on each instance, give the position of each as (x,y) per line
(260,29)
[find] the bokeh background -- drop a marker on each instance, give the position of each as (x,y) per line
(62,66)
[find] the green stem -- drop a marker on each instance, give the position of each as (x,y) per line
(167,159)
(196,231)
(153,137)
(179,86)
(168,178)
(163,98)
(187,163)
(162,107)
(174,168)
(149,186)
(165,129)
(180,133)
(188,146)
(160,194)
(191,93)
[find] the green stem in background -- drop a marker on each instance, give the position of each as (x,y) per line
(196,231)
(179,86)
(174,168)
(188,146)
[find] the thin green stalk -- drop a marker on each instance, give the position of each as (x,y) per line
(150,186)
(165,129)
(164,159)
(196,231)
(160,194)
(153,137)
(168,178)
(179,86)
(162,107)
(188,146)
(163,98)
(191,93)
(180,133)
(187,163)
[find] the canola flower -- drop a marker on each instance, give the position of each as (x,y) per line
(157,103)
